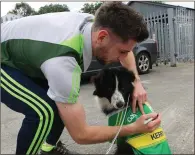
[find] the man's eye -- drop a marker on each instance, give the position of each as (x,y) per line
(123,52)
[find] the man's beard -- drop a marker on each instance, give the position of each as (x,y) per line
(101,61)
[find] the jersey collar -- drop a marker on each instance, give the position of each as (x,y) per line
(87,48)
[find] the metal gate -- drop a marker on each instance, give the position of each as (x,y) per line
(173,29)
(184,32)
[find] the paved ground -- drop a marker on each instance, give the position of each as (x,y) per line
(170,91)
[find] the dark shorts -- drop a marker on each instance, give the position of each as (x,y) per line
(29,97)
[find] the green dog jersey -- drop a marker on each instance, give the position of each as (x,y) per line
(147,143)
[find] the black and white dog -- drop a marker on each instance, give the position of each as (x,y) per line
(112,89)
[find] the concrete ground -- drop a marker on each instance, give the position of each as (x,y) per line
(170,91)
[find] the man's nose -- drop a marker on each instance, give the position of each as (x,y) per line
(122,56)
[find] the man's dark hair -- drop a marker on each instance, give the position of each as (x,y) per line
(122,20)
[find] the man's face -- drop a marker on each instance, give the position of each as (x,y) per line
(109,48)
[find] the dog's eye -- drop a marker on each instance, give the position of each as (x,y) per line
(109,89)
(122,89)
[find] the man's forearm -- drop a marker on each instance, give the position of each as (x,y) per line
(100,134)
(130,63)
(73,116)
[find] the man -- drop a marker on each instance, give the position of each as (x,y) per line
(42,58)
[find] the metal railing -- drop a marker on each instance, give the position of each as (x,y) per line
(184,31)
(173,30)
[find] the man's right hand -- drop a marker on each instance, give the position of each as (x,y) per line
(140,127)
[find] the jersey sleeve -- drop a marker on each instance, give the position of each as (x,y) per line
(63,75)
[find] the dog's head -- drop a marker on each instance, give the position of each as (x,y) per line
(112,88)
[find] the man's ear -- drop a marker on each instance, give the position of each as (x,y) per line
(102,36)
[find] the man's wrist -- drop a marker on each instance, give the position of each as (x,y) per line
(128,130)
(137,78)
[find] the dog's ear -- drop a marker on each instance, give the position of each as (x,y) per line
(127,74)
(95,93)
(92,79)
(131,76)
(100,76)
(95,80)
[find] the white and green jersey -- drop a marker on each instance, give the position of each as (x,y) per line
(55,46)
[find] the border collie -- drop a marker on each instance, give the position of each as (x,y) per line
(113,89)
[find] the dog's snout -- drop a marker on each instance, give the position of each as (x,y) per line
(120,104)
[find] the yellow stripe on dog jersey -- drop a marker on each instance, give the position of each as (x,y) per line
(148,139)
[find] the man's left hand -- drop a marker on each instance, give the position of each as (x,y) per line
(139,95)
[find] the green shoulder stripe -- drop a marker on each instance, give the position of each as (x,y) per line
(28,55)
(76,76)
(75,42)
